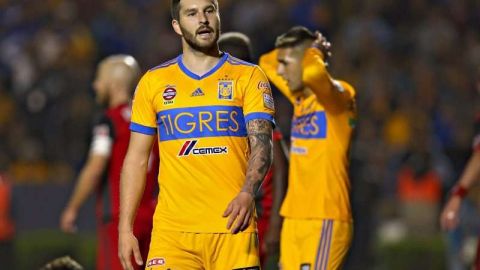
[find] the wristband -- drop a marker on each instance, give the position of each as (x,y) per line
(459,191)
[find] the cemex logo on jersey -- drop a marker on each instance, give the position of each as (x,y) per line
(188,148)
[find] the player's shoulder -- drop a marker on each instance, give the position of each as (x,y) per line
(103,118)
(160,72)
(234,61)
(243,68)
(165,65)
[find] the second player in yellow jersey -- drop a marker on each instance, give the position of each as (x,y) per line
(317,228)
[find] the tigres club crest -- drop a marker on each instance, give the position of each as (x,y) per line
(225,90)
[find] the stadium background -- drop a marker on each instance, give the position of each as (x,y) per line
(414,64)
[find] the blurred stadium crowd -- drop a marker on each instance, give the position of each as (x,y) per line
(414,63)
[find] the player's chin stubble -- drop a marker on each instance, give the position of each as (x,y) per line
(194,44)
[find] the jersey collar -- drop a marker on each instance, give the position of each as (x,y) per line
(194,76)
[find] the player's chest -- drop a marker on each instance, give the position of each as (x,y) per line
(191,93)
(309,120)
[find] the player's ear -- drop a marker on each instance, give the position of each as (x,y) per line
(176,27)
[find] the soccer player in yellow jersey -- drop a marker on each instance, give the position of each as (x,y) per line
(212,115)
(317,228)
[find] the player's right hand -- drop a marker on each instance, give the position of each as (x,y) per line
(323,45)
(128,244)
(450,218)
(68,219)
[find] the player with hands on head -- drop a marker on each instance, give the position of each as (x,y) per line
(317,227)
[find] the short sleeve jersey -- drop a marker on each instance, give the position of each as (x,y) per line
(201,126)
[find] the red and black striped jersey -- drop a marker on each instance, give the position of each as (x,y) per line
(111,135)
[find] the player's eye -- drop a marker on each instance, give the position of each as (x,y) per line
(191,14)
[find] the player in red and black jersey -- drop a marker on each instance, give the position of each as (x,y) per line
(116,77)
(449,219)
(270,196)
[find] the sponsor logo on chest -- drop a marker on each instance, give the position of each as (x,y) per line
(169,95)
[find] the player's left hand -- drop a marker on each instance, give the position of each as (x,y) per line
(240,211)
(128,245)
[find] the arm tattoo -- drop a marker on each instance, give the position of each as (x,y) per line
(260,139)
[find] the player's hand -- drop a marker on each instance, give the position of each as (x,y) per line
(450,218)
(128,244)
(323,45)
(68,219)
(240,211)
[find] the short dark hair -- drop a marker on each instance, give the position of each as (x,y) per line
(236,44)
(175,8)
(295,36)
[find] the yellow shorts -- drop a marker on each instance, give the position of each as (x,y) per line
(203,251)
(314,244)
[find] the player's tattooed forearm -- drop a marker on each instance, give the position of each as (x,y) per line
(260,139)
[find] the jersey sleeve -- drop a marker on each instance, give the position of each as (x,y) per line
(258,99)
(335,96)
(269,63)
(102,137)
(476,138)
(143,113)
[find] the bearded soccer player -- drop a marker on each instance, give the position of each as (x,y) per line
(272,191)
(317,228)
(114,83)
(213,116)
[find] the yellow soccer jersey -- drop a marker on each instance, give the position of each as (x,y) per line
(201,127)
(318,185)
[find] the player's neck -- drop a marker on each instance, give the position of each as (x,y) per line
(306,92)
(118,99)
(200,62)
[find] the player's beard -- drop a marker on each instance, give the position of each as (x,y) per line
(191,40)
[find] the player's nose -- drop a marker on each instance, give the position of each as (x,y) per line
(281,70)
(203,18)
